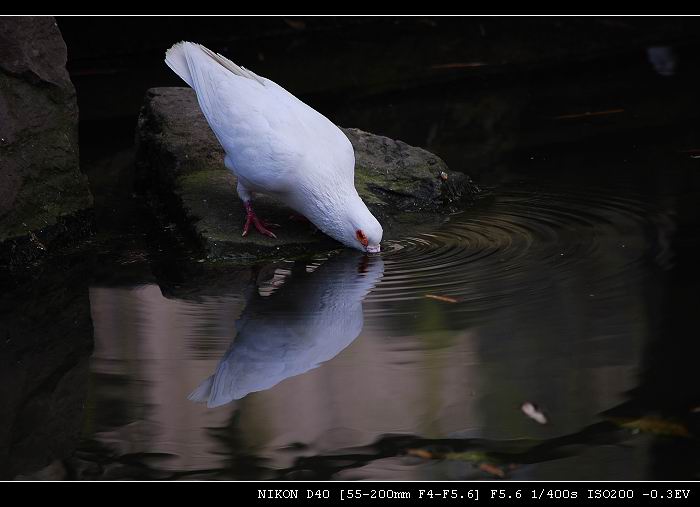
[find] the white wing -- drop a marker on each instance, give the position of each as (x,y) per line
(274,141)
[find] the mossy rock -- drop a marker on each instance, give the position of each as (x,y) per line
(42,191)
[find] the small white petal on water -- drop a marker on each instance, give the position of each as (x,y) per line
(533,412)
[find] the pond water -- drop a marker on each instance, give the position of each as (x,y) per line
(538,297)
(572,286)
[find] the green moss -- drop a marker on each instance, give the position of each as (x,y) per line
(363,180)
(41,203)
(216,215)
(45,160)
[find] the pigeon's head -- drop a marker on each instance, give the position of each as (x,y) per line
(362,230)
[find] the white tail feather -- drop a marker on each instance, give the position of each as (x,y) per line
(176,59)
(228,64)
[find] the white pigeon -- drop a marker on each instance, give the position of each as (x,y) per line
(309,320)
(277,145)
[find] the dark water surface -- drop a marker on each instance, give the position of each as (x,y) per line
(543,295)
(573,286)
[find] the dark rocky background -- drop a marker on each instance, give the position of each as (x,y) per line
(478,92)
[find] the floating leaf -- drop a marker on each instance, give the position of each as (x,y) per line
(492,469)
(458,65)
(656,425)
(421,453)
(589,114)
(471,456)
(480,459)
(296,24)
(446,299)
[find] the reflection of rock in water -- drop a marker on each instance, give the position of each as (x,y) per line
(668,384)
(149,353)
(45,341)
(307,321)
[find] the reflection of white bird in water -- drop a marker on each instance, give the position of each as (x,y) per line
(277,145)
(308,320)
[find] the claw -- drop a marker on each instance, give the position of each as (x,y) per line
(252,218)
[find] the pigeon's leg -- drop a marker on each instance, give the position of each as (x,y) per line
(250,216)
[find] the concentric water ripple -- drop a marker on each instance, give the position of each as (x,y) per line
(520,245)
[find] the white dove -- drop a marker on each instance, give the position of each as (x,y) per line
(277,145)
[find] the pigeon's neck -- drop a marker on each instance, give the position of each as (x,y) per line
(334,212)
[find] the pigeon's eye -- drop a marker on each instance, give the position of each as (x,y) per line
(361,237)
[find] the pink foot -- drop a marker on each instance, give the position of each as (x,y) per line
(252,218)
